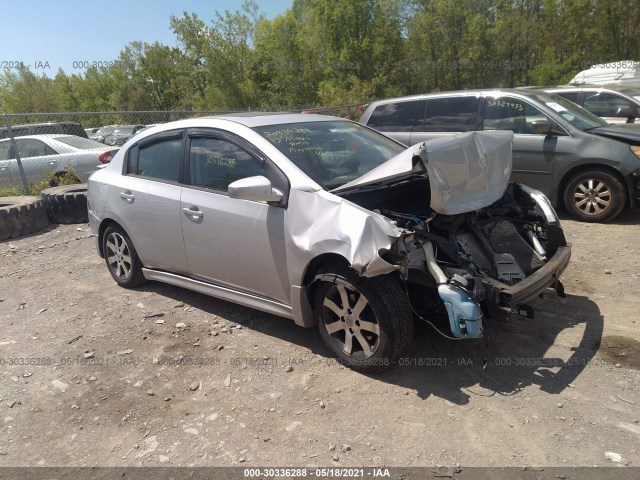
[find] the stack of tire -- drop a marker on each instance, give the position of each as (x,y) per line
(21,216)
(66,203)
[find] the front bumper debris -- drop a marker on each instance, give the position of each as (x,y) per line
(510,297)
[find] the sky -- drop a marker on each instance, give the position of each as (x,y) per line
(46,35)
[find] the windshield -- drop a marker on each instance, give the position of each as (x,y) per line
(574,114)
(79,142)
(332,153)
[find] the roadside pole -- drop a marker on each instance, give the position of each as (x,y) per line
(25,186)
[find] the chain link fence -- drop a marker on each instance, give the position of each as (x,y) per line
(39,150)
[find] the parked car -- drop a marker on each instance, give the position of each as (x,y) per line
(121,134)
(559,148)
(66,128)
(102,132)
(615,104)
(142,129)
(327,222)
(91,131)
(51,153)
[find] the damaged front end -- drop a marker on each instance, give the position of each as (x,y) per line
(490,262)
(482,247)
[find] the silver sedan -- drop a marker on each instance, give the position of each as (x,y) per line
(52,153)
(330,223)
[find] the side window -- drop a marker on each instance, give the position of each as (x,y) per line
(394,117)
(215,163)
(161,160)
(508,113)
(604,104)
(453,114)
(30,147)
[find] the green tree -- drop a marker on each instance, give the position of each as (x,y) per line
(281,71)
(221,55)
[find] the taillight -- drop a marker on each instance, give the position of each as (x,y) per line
(107,156)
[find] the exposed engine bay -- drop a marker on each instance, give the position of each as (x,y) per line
(486,263)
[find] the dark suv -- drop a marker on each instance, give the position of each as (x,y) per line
(63,128)
(559,148)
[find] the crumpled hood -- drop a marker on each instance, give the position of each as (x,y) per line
(466,172)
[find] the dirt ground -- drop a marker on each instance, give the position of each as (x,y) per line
(95,375)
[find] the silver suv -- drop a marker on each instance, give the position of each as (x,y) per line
(616,104)
(559,148)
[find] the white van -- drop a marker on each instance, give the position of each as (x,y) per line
(624,71)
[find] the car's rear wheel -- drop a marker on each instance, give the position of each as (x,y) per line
(594,196)
(366,322)
(121,257)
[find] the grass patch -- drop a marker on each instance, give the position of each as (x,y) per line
(50,180)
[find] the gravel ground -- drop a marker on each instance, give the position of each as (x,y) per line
(95,375)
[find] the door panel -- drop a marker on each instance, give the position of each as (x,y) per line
(231,241)
(150,212)
(533,160)
(236,242)
(5,172)
(148,201)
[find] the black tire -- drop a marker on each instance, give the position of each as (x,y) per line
(21,216)
(66,204)
(594,196)
(121,257)
(380,303)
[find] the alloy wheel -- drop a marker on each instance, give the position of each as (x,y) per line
(350,322)
(592,196)
(118,255)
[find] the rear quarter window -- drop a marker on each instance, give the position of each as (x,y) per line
(394,117)
(160,159)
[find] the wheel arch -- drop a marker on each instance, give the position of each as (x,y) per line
(106,223)
(302,296)
(317,265)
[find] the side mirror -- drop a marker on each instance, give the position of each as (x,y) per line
(625,112)
(542,126)
(257,188)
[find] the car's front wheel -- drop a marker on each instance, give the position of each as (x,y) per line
(594,196)
(366,322)
(121,257)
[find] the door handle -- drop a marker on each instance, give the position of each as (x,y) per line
(127,196)
(52,162)
(193,212)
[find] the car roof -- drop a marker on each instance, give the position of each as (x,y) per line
(44,124)
(614,87)
(262,119)
(476,92)
(42,136)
